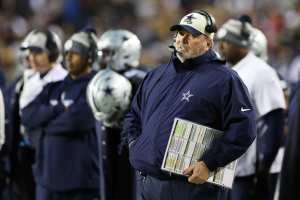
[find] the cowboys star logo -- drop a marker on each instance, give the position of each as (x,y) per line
(189,18)
(186,96)
(108,91)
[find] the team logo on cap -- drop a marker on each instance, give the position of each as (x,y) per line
(189,18)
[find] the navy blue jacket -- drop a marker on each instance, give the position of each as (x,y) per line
(218,100)
(291,162)
(67,151)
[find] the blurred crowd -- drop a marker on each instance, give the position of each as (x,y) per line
(149,19)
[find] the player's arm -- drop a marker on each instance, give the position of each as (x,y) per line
(39,112)
(74,120)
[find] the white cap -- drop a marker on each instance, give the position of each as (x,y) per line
(35,39)
(196,23)
(38,39)
(236,32)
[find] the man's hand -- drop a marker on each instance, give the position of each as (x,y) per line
(199,173)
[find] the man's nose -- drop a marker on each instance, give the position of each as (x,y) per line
(68,56)
(31,57)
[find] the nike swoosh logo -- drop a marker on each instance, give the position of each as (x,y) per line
(245,109)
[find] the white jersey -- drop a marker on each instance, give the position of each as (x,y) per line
(2,120)
(266,94)
(33,83)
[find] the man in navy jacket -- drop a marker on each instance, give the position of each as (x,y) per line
(195,85)
(67,153)
(289,175)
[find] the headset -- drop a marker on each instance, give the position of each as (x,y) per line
(92,53)
(85,42)
(210,26)
(244,19)
(51,46)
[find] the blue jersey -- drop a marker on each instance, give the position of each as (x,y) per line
(67,148)
(201,90)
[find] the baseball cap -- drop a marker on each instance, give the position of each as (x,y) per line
(83,43)
(78,43)
(236,32)
(195,24)
(36,41)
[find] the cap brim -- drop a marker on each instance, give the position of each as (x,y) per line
(33,49)
(77,47)
(23,48)
(189,29)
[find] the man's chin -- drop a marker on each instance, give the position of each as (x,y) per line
(185,56)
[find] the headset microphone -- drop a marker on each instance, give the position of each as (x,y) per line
(173,49)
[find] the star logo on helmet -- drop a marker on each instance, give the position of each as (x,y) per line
(108,91)
(107,78)
(124,38)
(189,19)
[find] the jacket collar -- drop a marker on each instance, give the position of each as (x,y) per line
(189,64)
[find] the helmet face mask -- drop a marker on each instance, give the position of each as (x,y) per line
(119,49)
(108,95)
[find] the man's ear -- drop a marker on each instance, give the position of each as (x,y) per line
(209,43)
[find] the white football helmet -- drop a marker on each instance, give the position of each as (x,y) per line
(108,95)
(259,44)
(119,49)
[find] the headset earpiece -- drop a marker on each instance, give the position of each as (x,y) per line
(244,32)
(92,51)
(210,26)
(51,46)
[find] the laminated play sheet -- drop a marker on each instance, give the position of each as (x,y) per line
(187,143)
